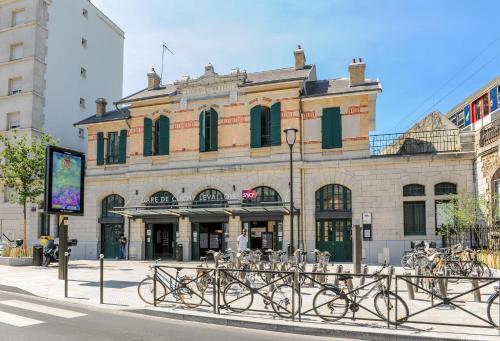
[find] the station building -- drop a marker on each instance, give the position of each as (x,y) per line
(194,162)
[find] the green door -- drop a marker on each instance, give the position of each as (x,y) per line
(109,238)
(195,241)
(149,241)
(334,236)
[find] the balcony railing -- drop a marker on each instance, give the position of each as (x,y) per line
(421,142)
(489,133)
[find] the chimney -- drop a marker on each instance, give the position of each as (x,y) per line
(357,72)
(300,58)
(100,107)
(153,80)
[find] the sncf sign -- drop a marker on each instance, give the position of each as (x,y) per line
(249,194)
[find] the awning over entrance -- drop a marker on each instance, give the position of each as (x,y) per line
(145,212)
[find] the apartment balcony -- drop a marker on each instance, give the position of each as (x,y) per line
(418,142)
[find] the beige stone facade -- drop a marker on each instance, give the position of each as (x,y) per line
(375,183)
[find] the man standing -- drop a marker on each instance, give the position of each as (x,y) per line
(123,243)
(242,241)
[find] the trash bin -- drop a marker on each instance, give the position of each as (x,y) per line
(37,255)
(178,253)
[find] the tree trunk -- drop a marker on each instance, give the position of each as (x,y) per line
(25,246)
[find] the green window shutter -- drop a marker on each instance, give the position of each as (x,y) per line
(202,132)
(331,128)
(163,135)
(148,137)
(255,126)
(122,149)
(276,124)
(213,127)
(100,148)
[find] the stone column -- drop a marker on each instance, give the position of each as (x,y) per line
(185,237)
(234,231)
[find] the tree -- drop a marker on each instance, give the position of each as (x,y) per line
(22,168)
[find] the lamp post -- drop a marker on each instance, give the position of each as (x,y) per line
(291,135)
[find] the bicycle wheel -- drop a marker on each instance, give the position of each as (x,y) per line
(237,297)
(381,301)
(145,289)
(329,305)
(407,261)
(281,301)
(494,310)
(188,292)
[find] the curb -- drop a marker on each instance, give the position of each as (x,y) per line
(345,332)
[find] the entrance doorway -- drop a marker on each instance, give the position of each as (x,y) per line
(264,235)
(110,234)
(334,236)
(206,237)
(160,241)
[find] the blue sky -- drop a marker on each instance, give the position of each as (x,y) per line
(428,54)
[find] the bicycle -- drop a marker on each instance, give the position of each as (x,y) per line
(333,302)
(182,288)
(493,308)
(320,268)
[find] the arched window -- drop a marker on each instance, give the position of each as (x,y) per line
(210,198)
(333,198)
(162,198)
(265,126)
(161,136)
(413,190)
(445,188)
(208,130)
(109,204)
(265,196)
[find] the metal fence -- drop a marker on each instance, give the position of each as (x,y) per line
(421,142)
(477,238)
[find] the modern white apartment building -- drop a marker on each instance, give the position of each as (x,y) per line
(56,58)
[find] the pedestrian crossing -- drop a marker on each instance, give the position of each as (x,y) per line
(23,321)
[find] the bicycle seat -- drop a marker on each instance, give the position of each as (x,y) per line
(344,277)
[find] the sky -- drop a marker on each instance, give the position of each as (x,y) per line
(428,54)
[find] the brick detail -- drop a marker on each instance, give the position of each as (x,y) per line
(185,125)
(231,120)
(309,115)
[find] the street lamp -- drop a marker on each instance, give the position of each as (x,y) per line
(291,135)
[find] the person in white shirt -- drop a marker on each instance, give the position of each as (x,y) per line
(242,241)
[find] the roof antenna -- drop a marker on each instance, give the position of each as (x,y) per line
(164,47)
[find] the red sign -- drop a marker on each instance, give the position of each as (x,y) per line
(249,194)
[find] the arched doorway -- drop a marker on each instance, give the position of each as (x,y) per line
(265,230)
(209,227)
(111,225)
(334,221)
(161,233)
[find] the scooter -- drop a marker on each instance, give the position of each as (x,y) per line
(50,253)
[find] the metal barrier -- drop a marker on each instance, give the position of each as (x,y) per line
(325,296)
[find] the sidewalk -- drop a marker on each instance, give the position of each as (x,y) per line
(120,293)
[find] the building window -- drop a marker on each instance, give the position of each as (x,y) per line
(82,102)
(210,198)
(85,13)
(83,72)
(445,188)
(18,17)
(208,130)
(331,128)
(81,133)
(110,203)
(9,195)
(16,51)
(414,218)
(265,196)
(460,119)
(84,42)
(44,224)
(413,190)
(13,120)
(113,148)
(333,198)
(481,107)
(15,85)
(265,126)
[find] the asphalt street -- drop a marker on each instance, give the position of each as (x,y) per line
(31,318)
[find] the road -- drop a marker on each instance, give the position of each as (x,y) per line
(30,318)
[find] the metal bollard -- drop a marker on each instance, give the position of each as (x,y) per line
(349,283)
(338,271)
(442,287)
(409,286)
(101,279)
(475,286)
(417,280)
(390,273)
(363,278)
(66,257)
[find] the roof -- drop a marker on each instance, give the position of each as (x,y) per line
(338,86)
(252,78)
(114,115)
